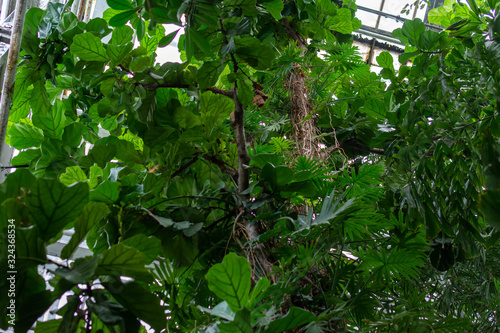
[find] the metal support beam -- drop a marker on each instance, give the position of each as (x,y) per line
(10,71)
(396,17)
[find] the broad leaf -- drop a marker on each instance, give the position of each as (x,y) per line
(88,47)
(23,136)
(52,205)
(92,213)
(230,280)
(121,260)
(138,300)
(294,318)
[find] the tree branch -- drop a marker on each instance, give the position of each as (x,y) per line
(185,166)
(241,143)
(183,86)
(300,42)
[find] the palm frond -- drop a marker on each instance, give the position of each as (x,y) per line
(400,264)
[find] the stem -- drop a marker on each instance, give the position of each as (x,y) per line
(239,130)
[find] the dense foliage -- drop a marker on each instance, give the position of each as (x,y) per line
(270,182)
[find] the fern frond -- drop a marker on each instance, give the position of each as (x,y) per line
(396,264)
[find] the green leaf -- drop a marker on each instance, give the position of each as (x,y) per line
(116,53)
(81,272)
(168,39)
(489,204)
(73,175)
(140,64)
(52,205)
(122,35)
(141,29)
(214,110)
(122,18)
(138,300)
(40,101)
(107,192)
(21,106)
(73,133)
(374,108)
(92,213)
(88,47)
(278,176)
(25,157)
(208,74)
(255,53)
(294,318)
(257,291)
(412,29)
(119,4)
(385,60)
(101,154)
(53,123)
(392,265)
(162,15)
(33,18)
(230,280)
(122,260)
(342,22)
(126,152)
(94,174)
(221,310)
(149,246)
(193,37)
(242,323)
(245,92)
(274,7)
(23,136)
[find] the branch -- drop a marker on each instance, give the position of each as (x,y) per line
(222,165)
(353,144)
(239,130)
(182,86)
(293,35)
(15,166)
(184,167)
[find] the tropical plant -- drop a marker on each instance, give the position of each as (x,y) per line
(270,182)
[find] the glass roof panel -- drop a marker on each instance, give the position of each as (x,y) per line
(371,13)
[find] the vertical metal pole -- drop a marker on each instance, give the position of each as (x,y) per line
(10,70)
(5,9)
(378,18)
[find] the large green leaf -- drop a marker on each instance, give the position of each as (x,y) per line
(122,260)
(230,280)
(73,175)
(81,272)
(92,213)
(106,191)
(149,246)
(122,18)
(23,136)
(294,318)
(374,108)
(214,109)
(88,47)
(412,29)
(119,4)
(52,205)
(122,35)
(138,300)
(53,122)
(274,7)
(255,53)
(489,205)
